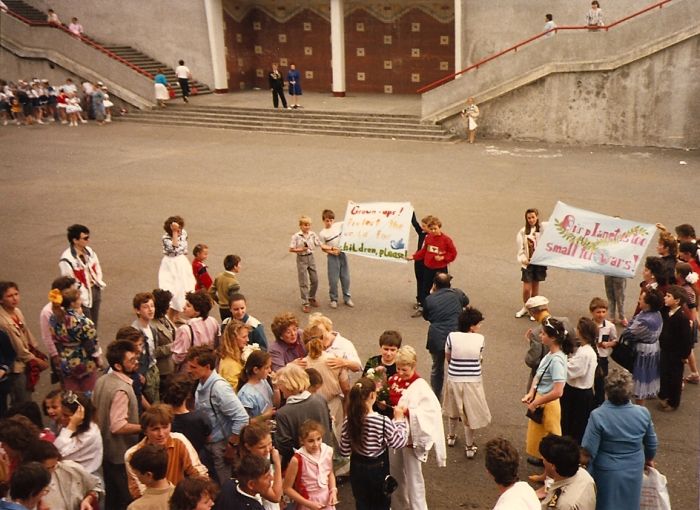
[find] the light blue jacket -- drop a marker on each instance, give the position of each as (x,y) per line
(221,405)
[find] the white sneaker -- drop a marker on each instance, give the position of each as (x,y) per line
(532,318)
(470,451)
(451,440)
(334,304)
(83,121)
(521,313)
(349,303)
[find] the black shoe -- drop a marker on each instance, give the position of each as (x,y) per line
(534,461)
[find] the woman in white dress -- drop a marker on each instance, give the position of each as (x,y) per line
(175,273)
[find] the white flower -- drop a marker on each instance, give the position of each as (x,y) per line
(247,350)
(692,278)
(370,373)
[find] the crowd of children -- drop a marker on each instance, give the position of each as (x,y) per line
(37,101)
(279,409)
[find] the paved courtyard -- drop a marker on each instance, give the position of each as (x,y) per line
(243,192)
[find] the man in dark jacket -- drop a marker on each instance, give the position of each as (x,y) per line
(276,82)
(442,309)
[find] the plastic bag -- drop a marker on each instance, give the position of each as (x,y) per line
(654,491)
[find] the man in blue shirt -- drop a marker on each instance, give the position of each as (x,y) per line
(215,398)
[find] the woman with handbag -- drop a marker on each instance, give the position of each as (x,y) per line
(643,332)
(366,438)
(542,400)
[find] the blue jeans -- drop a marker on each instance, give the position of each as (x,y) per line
(437,373)
(338,270)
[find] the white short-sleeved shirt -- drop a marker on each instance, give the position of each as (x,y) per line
(331,236)
(607,329)
(519,496)
(182,72)
(465,356)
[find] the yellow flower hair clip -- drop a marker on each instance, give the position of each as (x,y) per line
(55,296)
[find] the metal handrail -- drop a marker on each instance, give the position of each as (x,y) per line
(515,48)
(84,39)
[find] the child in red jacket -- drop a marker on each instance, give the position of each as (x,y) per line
(437,252)
(199,267)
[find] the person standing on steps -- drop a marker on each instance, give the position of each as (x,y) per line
(294,79)
(183,77)
(277,86)
(594,18)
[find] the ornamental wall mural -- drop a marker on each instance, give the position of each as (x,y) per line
(390,47)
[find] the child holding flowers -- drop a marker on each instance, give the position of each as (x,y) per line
(379,368)
(75,337)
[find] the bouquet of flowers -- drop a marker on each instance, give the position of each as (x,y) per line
(247,350)
(378,375)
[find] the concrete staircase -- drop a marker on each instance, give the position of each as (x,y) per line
(151,65)
(26,11)
(367,125)
(128,53)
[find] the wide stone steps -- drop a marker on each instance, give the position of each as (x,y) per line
(399,127)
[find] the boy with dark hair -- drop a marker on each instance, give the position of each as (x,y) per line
(502,464)
(676,343)
(337,260)
(382,366)
(238,307)
(27,486)
(226,285)
(150,464)
(607,339)
(253,477)
(145,309)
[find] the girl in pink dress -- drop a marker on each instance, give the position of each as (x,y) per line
(309,480)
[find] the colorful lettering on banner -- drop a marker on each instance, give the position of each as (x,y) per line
(587,241)
(377,230)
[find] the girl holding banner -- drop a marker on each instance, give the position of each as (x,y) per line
(531,274)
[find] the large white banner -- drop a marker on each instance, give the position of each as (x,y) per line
(378,230)
(587,241)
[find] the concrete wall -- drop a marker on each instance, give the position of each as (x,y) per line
(165,30)
(640,104)
(15,68)
(494,25)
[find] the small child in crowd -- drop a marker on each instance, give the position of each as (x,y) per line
(150,464)
(199,267)
(194,425)
(338,268)
(607,339)
(309,480)
(256,441)
(253,478)
(382,366)
(303,244)
(226,285)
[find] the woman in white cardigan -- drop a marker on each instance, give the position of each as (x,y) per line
(408,390)
(531,274)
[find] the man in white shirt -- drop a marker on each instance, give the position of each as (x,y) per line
(502,464)
(549,26)
(183,77)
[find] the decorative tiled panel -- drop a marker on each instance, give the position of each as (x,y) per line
(390,47)
(304,39)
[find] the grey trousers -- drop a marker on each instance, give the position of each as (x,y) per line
(615,292)
(306,271)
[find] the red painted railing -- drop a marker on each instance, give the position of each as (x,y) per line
(515,48)
(84,39)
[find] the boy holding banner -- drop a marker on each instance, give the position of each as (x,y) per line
(337,260)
